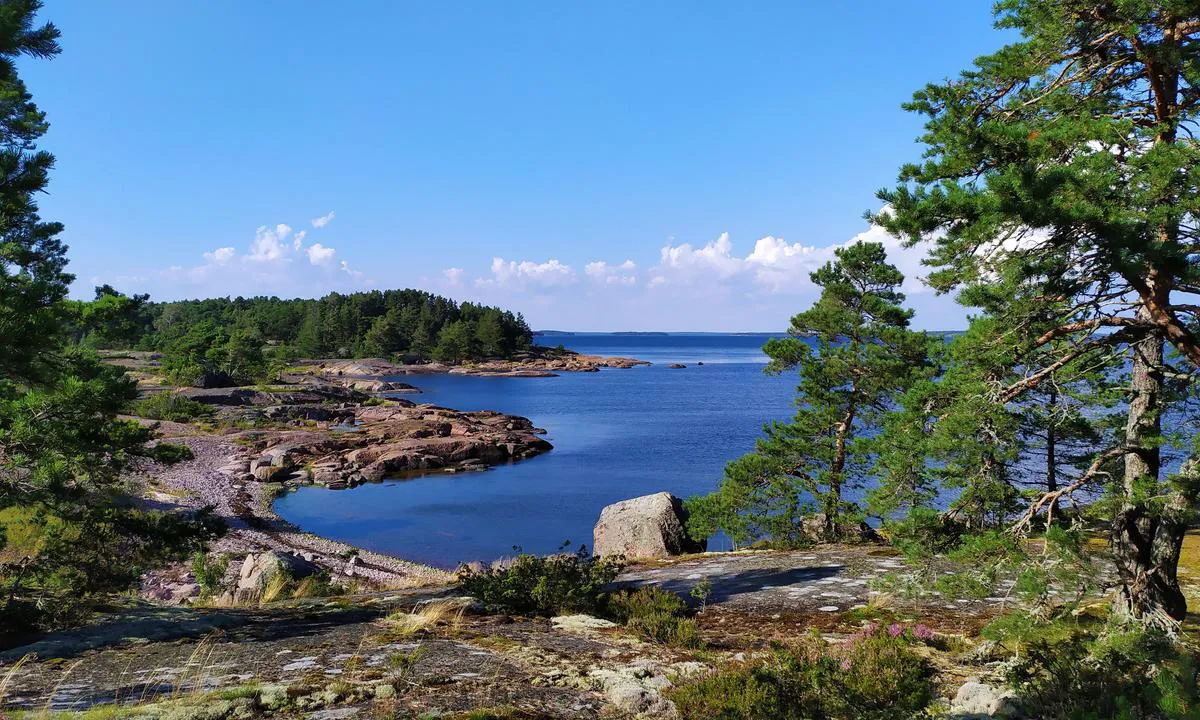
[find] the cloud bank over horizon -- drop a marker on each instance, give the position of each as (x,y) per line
(720,285)
(709,287)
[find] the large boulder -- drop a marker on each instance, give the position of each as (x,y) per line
(258,570)
(651,526)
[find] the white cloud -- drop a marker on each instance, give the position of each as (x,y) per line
(318,254)
(718,285)
(454,275)
(268,264)
(512,273)
(623,274)
(220,256)
(267,245)
(323,220)
(776,266)
(715,256)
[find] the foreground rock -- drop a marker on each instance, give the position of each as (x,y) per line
(651,526)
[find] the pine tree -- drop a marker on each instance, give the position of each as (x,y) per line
(456,342)
(489,335)
(65,532)
(33,260)
(383,339)
(310,339)
(865,357)
(1063,167)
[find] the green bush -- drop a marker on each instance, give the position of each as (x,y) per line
(171,407)
(170,453)
(1124,673)
(874,676)
(656,615)
(209,571)
(924,531)
(551,585)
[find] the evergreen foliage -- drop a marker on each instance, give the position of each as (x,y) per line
(865,356)
(1060,184)
(67,534)
(409,323)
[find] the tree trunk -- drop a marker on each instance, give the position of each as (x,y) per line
(833,499)
(1146,544)
(1051,460)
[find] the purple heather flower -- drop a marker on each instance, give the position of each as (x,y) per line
(895,630)
(922,632)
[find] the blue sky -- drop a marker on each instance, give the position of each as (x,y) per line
(600,166)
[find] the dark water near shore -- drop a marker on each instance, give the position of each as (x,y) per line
(616,434)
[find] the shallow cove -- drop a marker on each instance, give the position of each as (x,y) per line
(616,434)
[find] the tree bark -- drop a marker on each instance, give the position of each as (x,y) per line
(833,498)
(1051,452)
(1146,543)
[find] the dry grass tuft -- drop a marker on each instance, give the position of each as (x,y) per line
(275,587)
(427,615)
(8,676)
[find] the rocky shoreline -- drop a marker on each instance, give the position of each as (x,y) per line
(254,528)
(540,363)
(336,423)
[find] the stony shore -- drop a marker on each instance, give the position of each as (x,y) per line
(205,481)
(533,364)
(336,423)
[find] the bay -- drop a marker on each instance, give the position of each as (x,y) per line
(616,434)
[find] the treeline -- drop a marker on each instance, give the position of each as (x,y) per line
(229,334)
(412,323)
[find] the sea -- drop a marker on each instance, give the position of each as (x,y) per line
(617,434)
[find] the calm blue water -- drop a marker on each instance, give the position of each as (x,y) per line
(616,434)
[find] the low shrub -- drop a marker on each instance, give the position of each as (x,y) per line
(170,453)
(551,585)
(656,615)
(925,531)
(209,571)
(1069,672)
(875,675)
(170,407)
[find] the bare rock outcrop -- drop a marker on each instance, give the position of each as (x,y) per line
(393,438)
(651,526)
